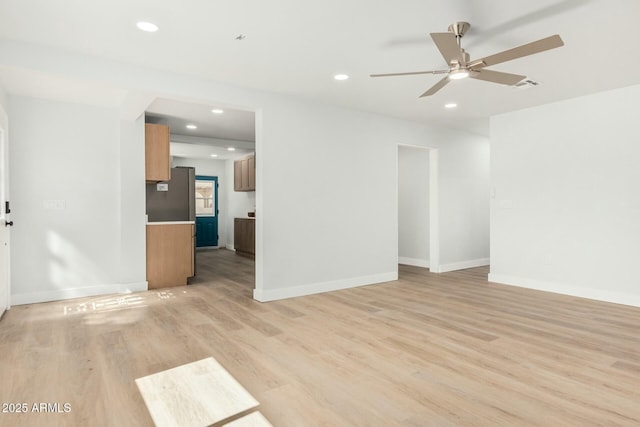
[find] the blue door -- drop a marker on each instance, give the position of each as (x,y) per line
(206,211)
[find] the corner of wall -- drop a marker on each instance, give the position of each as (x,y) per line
(264,295)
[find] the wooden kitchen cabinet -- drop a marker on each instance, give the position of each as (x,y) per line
(251,166)
(170,254)
(156,153)
(237,175)
(244,174)
(244,236)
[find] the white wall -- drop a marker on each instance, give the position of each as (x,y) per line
(331,199)
(326,179)
(566,213)
(413,206)
(132,200)
(464,203)
(68,156)
(4,100)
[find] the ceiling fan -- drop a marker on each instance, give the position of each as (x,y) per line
(460,67)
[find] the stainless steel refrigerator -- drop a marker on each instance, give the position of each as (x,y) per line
(173,200)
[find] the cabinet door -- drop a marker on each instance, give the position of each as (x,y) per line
(245,174)
(251,165)
(237,175)
(251,236)
(169,254)
(156,150)
(237,234)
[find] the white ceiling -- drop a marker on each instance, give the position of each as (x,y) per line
(214,135)
(231,124)
(295,47)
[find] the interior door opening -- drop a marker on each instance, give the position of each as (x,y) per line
(212,138)
(417,200)
(207,212)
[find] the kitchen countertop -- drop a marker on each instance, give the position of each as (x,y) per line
(170,222)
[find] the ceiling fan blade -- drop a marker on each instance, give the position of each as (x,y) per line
(448,47)
(497,77)
(442,83)
(541,45)
(411,73)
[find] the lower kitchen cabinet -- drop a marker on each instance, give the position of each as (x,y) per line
(244,236)
(170,254)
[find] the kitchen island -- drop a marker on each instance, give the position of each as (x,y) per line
(170,253)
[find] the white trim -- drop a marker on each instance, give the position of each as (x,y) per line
(90,291)
(413,261)
(264,295)
(567,289)
(461,265)
(230,247)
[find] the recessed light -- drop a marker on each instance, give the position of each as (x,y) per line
(341,77)
(214,155)
(231,149)
(147,26)
(217,111)
(450,105)
(192,126)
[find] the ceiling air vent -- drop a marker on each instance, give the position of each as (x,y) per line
(525,84)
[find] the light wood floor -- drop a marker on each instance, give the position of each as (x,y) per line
(427,350)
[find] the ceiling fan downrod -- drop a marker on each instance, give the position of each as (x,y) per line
(459,29)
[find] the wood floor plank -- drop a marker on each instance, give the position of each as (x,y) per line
(446,349)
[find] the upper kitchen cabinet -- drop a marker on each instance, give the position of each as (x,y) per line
(244,174)
(156,150)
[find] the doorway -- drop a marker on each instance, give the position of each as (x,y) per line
(207,212)
(417,201)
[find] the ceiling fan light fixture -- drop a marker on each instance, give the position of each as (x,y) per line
(458,74)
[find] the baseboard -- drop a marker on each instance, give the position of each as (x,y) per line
(565,289)
(264,295)
(463,264)
(413,261)
(90,291)
(230,247)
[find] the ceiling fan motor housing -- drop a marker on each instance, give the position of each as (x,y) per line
(459,29)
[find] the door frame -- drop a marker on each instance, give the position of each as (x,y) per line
(434,207)
(4,216)
(215,202)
